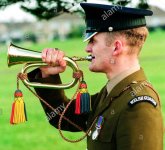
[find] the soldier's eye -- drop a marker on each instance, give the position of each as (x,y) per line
(91,40)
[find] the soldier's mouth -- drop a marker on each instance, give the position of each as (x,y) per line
(90,57)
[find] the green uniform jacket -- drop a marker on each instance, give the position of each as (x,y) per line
(131,111)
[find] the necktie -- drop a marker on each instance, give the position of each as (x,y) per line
(103,97)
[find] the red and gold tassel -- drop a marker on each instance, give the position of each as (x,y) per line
(18,113)
(83,104)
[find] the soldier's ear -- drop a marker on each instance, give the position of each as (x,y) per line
(117,48)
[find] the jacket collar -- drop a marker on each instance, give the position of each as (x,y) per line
(136,76)
(113,82)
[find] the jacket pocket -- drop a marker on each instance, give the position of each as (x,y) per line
(108,129)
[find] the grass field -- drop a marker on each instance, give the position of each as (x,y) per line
(37,134)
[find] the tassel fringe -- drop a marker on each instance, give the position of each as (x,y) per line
(18,113)
(83,100)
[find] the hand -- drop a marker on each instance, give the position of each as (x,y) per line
(55,61)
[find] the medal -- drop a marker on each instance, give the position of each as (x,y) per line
(98,128)
(95,134)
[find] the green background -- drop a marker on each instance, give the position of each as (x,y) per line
(37,134)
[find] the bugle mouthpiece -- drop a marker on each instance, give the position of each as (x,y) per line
(87,58)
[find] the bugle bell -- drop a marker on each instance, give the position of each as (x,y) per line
(31,58)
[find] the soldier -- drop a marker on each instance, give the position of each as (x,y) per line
(127,109)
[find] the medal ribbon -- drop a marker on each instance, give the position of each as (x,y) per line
(100,122)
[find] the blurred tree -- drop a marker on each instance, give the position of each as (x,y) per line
(141,4)
(47,9)
(44,9)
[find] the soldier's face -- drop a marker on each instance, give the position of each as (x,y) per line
(102,53)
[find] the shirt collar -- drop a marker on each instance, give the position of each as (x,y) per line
(112,83)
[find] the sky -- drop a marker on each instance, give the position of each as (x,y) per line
(14,13)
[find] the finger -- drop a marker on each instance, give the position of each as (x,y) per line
(60,69)
(43,54)
(60,59)
(52,70)
(54,58)
(49,54)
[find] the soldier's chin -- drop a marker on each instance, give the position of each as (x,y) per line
(93,69)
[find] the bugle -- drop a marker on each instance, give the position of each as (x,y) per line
(31,58)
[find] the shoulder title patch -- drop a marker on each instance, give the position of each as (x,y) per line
(143,98)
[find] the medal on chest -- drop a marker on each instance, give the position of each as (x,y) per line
(98,127)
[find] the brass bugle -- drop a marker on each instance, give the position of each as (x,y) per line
(31,58)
